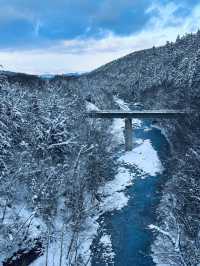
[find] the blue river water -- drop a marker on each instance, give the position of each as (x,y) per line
(130,236)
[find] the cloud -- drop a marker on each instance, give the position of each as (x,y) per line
(84,54)
(10,13)
(68,19)
(167,16)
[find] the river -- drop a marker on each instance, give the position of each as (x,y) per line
(130,236)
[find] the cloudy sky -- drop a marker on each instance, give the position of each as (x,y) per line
(61,36)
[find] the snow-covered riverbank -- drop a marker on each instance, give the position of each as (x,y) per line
(114,197)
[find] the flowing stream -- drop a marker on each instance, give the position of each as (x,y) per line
(130,236)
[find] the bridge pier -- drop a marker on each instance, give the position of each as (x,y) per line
(128,115)
(128,134)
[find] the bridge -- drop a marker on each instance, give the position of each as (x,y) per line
(129,115)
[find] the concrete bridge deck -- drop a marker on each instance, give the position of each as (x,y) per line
(136,114)
(129,115)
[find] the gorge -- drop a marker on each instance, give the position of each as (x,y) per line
(55,162)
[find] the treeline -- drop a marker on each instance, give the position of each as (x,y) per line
(52,159)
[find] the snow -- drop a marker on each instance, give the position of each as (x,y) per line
(108,253)
(91,107)
(121,104)
(21,214)
(84,242)
(119,183)
(160,230)
(87,236)
(106,240)
(64,143)
(35,223)
(52,258)
(168,236)
(117,129)
(116,201)
(145,158)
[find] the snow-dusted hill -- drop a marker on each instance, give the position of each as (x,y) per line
(166,77)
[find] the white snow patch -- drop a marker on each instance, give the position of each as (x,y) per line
(121,104)
(119,183)
(108,254)
(87,236)
(160,230)
(138,141)
(117,129)
(52,259)
(167,236)
(20,214)
(113,194)
(105,239)
(145,158)
(36,225)
(91,107)
(85,239)
(116,201)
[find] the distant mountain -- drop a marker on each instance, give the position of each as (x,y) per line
(42,76)
(51,76)
(47,76)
